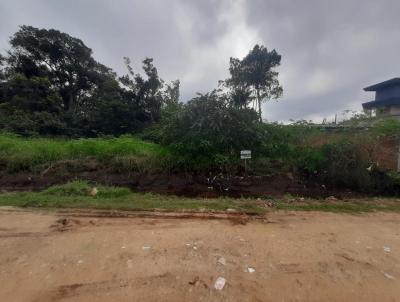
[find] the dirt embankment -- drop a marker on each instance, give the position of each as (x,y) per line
(177,184)
(87,256)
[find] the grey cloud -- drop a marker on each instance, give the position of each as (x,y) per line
(330,49)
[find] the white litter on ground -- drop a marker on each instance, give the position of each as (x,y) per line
(386,249)
(219,283)
(250,270)
(389,276)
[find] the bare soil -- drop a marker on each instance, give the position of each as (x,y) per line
(118,256)
(179,184)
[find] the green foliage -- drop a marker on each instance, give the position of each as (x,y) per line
(254,77)
(387,126)
(206,133)
(25,153)
(66,61)
(76,195)
(83,188)
(51,85)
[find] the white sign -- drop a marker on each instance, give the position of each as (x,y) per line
(245,154)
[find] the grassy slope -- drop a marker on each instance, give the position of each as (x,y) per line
(25,153)
(76,195)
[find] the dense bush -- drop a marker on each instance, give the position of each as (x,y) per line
(207,134)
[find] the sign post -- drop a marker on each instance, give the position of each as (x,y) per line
(245,154)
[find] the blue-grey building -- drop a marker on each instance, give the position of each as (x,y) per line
(387,98)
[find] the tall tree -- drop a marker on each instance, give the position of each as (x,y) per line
(256,74)
(65,60)
(149,92)
(172,93)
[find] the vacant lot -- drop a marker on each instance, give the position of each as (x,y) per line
(76,255)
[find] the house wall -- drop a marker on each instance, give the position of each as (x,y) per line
(387,93)
(395,110)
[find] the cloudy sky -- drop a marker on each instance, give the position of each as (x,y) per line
(330,49)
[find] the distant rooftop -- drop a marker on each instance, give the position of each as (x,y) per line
(382,103)
(391,82)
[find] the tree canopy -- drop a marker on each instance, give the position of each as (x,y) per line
(255,78)
(50,84)
(48,72)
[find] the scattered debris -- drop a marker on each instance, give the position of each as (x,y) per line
(93,191)
(269,203)
(222,261)
(219,283)
(388,276)
(386,249)
(195,281)
(251,270)
(332,198)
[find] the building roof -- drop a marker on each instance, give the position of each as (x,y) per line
(381,103)
(391,82)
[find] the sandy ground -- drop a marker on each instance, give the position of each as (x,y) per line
(77,256)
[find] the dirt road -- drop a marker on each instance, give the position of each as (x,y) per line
(297,256)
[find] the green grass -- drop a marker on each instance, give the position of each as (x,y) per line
(18,153)
(77,195)
(343,206)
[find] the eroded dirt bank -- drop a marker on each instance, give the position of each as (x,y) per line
(182,184)
(84,256)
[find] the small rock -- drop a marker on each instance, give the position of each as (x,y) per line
(250,270)
(222,261)
(80,261)
(93,191)
(146,247)
(331,198)
(386,249)
(195,248)
(219,283)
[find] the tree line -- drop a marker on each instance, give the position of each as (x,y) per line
(50,84)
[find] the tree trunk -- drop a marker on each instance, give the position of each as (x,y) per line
(259,105)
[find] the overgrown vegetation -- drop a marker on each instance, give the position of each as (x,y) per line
(77,194)
(24,154)
(58,105)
